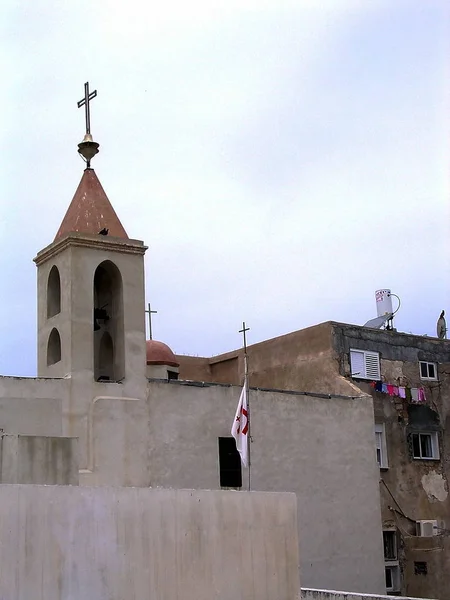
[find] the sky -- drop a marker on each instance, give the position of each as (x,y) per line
(281,159)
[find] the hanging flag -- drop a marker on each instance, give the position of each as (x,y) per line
(239,429)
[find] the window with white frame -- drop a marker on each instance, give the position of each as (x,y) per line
(428,370)
(380,445)
(392,574)
(365,364)
(391,564)
(425,446)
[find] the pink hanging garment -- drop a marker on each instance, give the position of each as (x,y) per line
(402,392)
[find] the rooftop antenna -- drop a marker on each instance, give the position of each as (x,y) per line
(87,148)
(385,311)
(441,327)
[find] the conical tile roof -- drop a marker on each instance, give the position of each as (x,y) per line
(90,210)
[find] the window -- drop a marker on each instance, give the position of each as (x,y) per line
(428,370)
(392,573)
(230,470)
(420,568)
(365,364)
(390,544)
(425,446)
(380,445)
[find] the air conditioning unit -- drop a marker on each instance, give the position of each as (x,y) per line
(426,528)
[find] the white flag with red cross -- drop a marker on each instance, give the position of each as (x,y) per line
(239,429)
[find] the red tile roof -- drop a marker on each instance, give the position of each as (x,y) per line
(90,210)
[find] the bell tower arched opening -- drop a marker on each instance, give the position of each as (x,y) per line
(108,325)
(53,347)
(53,293)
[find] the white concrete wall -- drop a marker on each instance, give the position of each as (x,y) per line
(80,543)
(32,406)
(310,594)
(38,459)
(322,449)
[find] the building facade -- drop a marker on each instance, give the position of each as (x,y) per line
(408,377)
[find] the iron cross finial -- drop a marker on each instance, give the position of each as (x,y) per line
(244,331)
(85,102)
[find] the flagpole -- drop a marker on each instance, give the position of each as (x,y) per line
(247,393)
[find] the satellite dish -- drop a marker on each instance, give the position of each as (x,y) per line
(378,322)
(441,327)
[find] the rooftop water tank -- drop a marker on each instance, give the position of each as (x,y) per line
(384,302)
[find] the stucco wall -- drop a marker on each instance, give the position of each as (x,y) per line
(321,449)
(301,360)
(38,459)
(32,406)
(62,542)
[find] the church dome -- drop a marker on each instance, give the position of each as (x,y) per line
(159,353)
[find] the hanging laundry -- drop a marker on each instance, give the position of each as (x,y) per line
(414,395)
(395,390)
(402,392)
(390,389)
(408,394)
(379,386)
(373,384)
(384,388)
(422,397)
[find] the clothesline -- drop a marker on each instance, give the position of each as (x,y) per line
(412,394)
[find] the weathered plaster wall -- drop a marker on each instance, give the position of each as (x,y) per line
(300,444)
(62,542)
(411,489)
(39,460)
(435,552)
(194,368)
(301,360)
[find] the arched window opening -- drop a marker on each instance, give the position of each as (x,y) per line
(53,347)
(106,358)
(53,293)
(109,360)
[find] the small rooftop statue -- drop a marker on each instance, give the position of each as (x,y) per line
(441,327)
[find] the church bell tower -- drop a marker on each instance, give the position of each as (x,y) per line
(91,312)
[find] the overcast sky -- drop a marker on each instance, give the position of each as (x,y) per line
(281,159)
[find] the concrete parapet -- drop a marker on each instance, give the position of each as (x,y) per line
(61,542)
(30,459)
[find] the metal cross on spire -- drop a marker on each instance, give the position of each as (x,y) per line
(85,102)
(87,148)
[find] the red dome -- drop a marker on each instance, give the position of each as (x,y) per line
(159,353)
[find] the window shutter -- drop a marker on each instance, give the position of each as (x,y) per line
(372,364)
(357,363)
